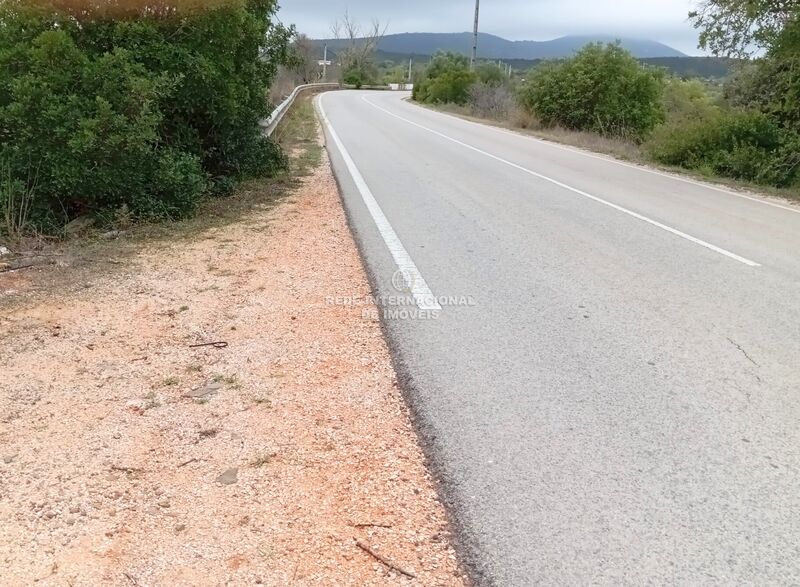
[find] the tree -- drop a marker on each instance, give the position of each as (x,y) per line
(602,89)
(742,27)
(357,57)
(303,59)
(447,79)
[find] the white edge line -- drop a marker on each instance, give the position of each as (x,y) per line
(610,159)
(669,229)
(420,291)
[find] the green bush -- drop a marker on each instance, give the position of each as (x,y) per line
(603,89)
(354,77)
(447,79)
(687,100)
(149,112)
(746,145)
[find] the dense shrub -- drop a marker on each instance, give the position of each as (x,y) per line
(490,74)
(447,79)
(491,101)
(146,111)
(602,89)
(745,145)
(686,100)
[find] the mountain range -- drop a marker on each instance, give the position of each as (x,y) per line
(494,47)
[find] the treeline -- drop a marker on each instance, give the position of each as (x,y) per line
(131,107)
(750,130)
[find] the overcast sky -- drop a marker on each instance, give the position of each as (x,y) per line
(537,20)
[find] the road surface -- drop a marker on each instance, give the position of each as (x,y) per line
(610,392)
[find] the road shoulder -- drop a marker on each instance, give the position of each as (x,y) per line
(283,456)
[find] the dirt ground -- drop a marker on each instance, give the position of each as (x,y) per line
(127,457)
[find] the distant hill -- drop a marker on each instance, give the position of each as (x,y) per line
(494,47)
(684,67)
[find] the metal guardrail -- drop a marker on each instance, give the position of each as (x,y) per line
(270,124)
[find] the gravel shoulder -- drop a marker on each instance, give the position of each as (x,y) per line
(128,457)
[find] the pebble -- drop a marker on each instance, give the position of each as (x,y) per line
(205,391)
(8,459)
(229,477)
(164,503)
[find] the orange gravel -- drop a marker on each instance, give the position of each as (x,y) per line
(128,458)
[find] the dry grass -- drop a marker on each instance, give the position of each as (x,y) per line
(527,124)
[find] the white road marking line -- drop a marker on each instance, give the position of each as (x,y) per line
(609,159)
(420,291)
(655,223)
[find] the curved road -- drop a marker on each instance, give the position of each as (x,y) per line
(602,359)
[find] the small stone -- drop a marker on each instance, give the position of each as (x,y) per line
(4,251)
(205,391)
(229,477)
(136,405)
(8,459)
(180,528)
(79,225)
(164,503)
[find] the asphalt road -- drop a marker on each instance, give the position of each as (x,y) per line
(610,392)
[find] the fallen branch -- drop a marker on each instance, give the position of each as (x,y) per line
(25,263)
(389,564)
(371,525)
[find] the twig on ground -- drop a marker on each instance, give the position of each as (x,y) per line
(371,525)
(131,578)
(26,263)
(189,462)
(389,564)
(126,469)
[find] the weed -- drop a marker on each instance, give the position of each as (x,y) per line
(261,461)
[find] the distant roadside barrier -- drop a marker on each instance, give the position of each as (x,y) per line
(270,124)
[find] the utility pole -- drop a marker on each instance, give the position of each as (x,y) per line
(410,63)
(475,35)
(325,65)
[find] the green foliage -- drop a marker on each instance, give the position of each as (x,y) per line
(147,113)
(772,84)
(490,74)
(447,79)
(687,100)
(756,136)
(353,77)
(602,89)
(745,145)
(739,27)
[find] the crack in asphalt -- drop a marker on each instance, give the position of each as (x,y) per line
(744,352)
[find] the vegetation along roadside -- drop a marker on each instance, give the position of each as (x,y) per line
(745,128)
(119,113)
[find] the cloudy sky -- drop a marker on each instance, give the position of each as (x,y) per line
(538,20)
